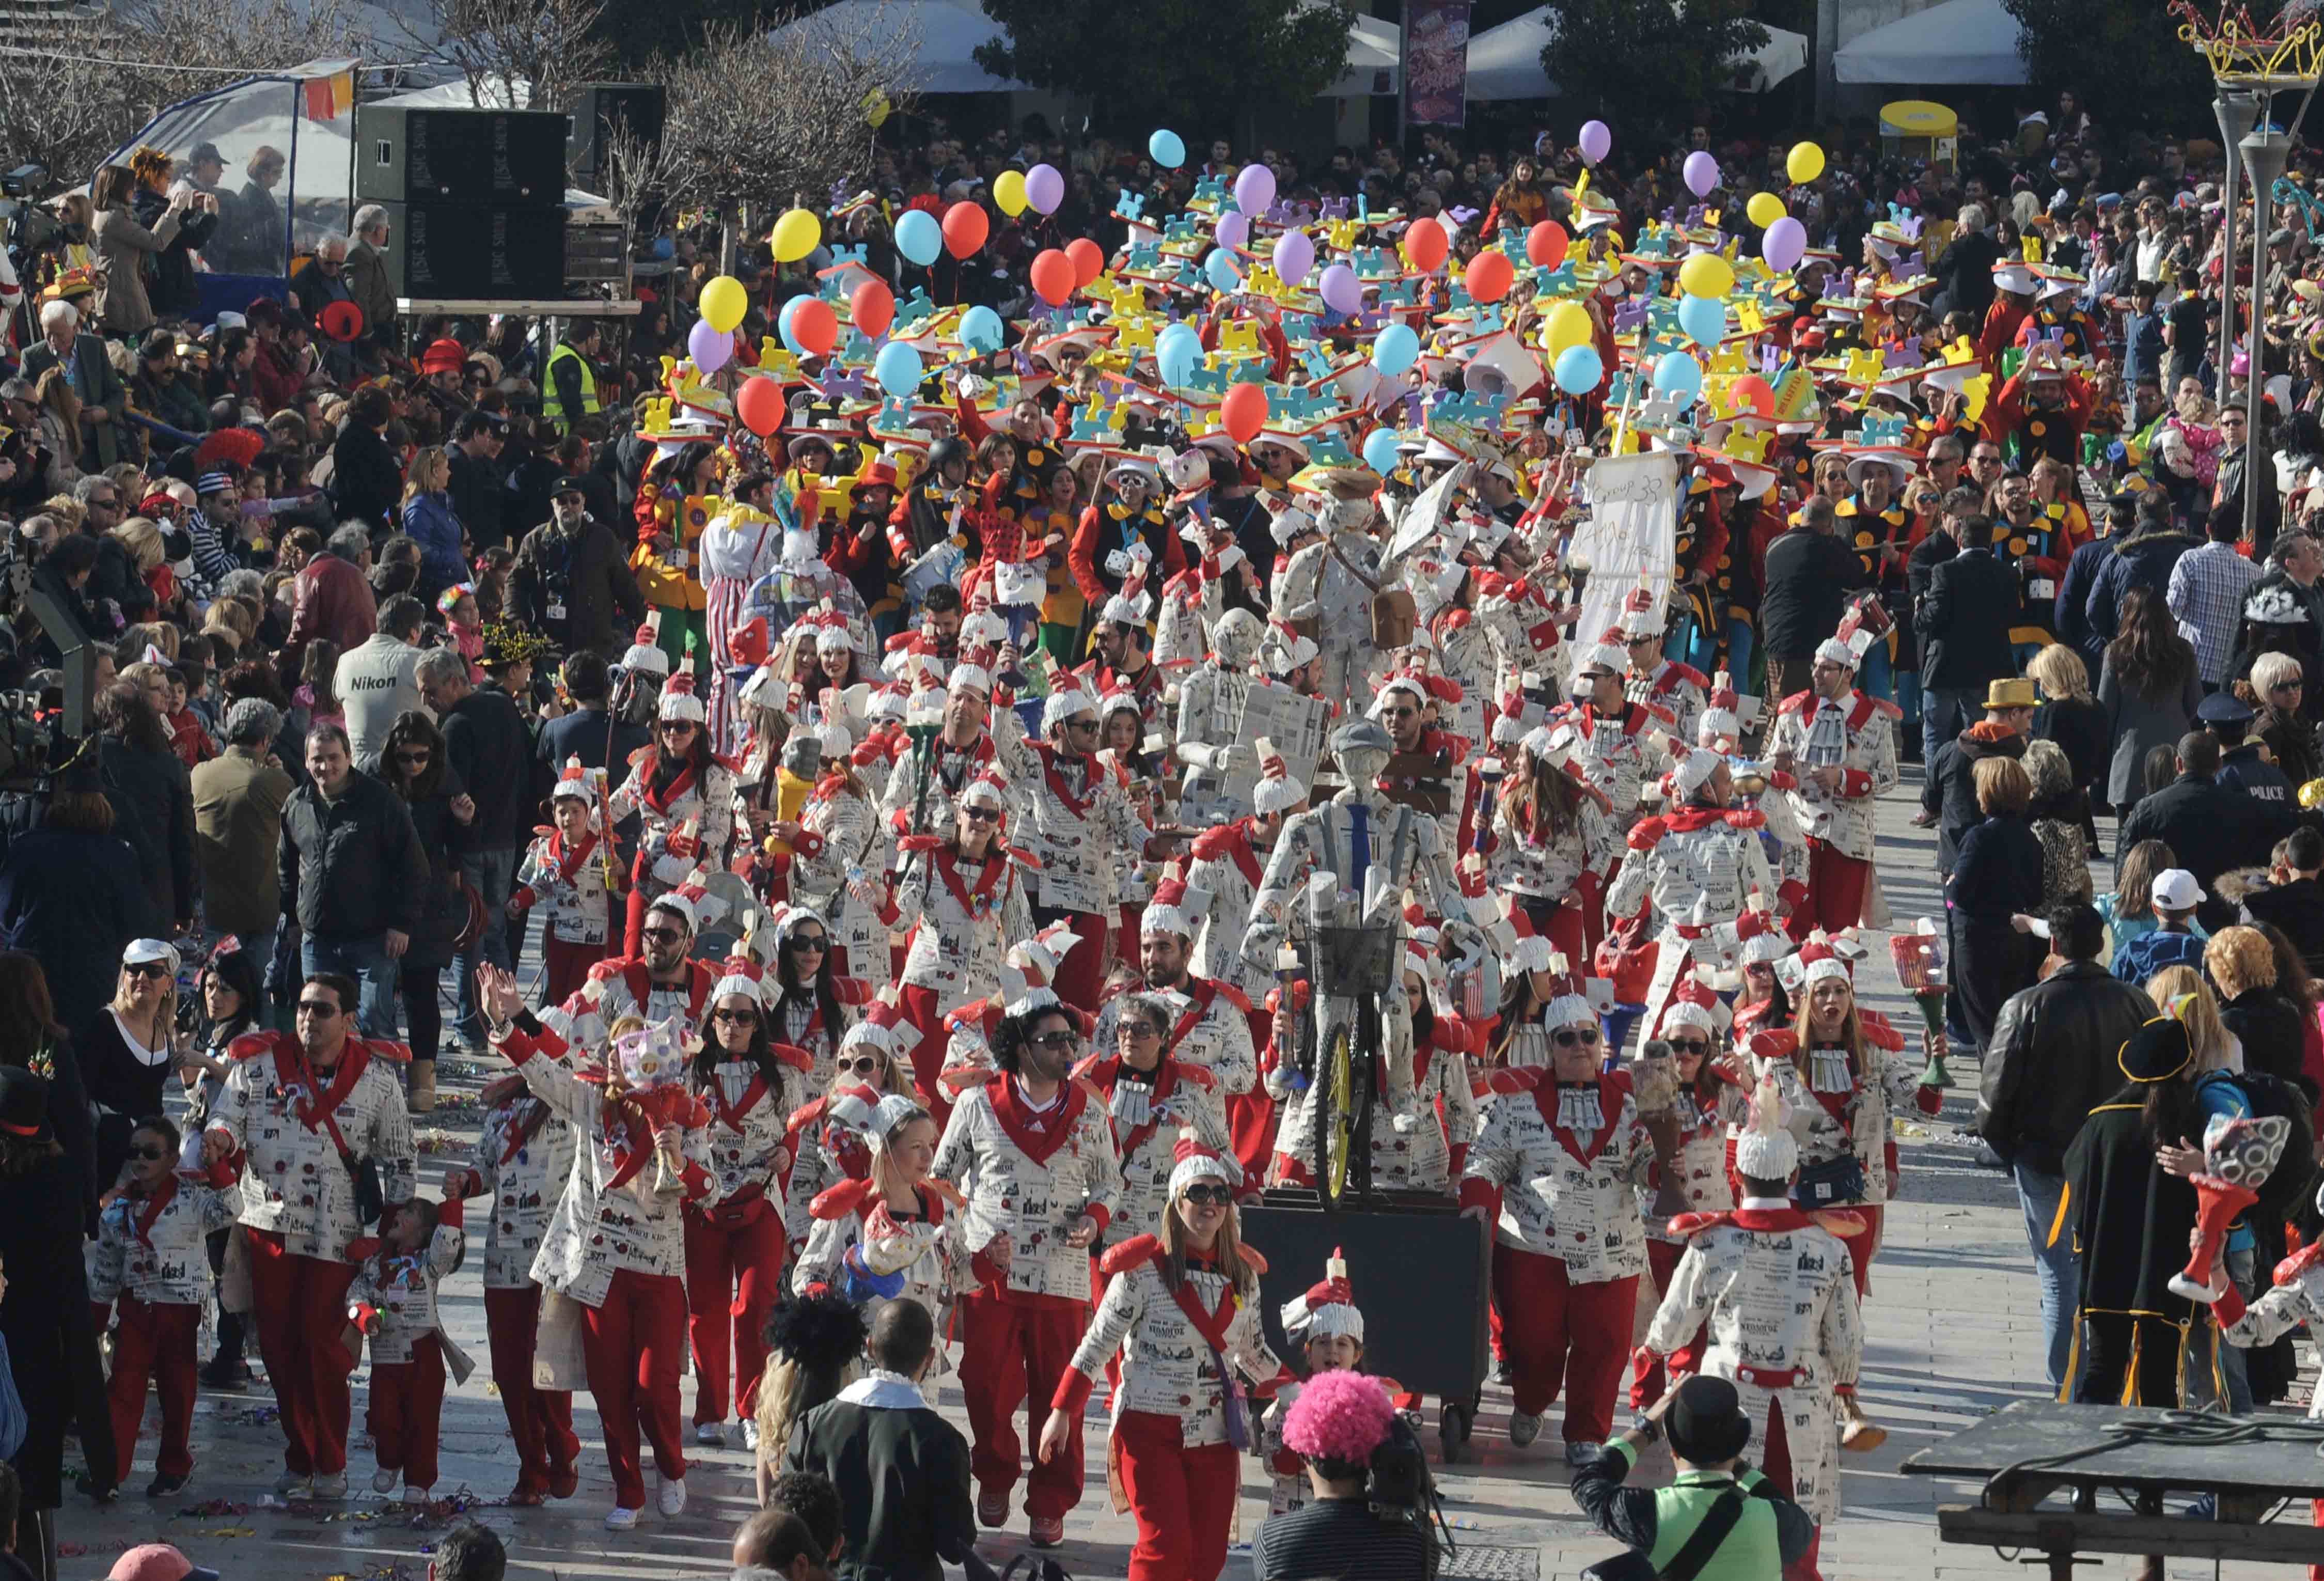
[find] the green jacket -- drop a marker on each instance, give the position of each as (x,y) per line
(1772,1533)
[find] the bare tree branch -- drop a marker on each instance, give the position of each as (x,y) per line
(513,54)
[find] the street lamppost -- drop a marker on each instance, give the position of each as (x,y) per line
(2237,111)
(2265,153)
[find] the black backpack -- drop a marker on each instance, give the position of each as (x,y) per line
(2280,1194)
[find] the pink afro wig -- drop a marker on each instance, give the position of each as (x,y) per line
(1337,1416)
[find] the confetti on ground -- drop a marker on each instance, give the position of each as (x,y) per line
(213,1508)
(491,1392)
(253,1416)
(436,1142)
(227,1532)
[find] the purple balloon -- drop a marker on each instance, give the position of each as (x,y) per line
(1294,255)
(710,349)
(1254,190)
(1595,141)
(1045,189)
(1341,291)
(1785,241)
(1701,172)
(1233,228)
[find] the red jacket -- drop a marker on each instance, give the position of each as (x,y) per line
(334,600)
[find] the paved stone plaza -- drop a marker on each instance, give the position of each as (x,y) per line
(1954,1333)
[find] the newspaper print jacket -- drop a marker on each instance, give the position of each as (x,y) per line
(1176,1095)
(392,1297)
(1841,818)
(524,1175)
(156,1248)
(1561,1194)
(1169,1368)
(293,1180)
(1033,1182)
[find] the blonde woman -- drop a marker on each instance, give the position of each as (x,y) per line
(59,420)
(123,245)
(2070,717)
(2275,689)
(2262,1019)
(429,519)
(128,1052)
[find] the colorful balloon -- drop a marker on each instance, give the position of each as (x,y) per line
(1595,141)
(709,346)
(812,326)
(898,369)
(1756,393)
(1579,369)
(759,404)
(1701,173)
(1706,274)
(1254,190)
(1177,352)
(1489,275)
(1678,375)
(1395,349)
(795,235)
(1167,148)
(723,301)
(1294,255)
(918,237)
(1426,245)
(1380,451)
(1045,189)
(1764,209)
(966,229)
(1008,193)
(1567,325)
(1341,291)
(1804,163)
(1545,245)
(980,329)
(872,308)
(1233,228)
(1705,320)
(1784,245)
(1220,270)
(1089,262)
(1053,276)
(1243,412)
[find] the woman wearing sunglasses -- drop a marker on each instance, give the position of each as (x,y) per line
(684,793)
(750,1081)
(1554,840)
(1183,1308)
(829,1142)
(834,833)
(127,1051)
(1556,1172)
(809,1004)
(1150,1095)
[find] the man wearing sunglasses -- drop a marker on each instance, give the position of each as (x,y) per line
(1125,655)
(1609,730)
(923,789)
(299,1114)
(657,982)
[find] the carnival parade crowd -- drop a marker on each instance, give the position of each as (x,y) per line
(879,762)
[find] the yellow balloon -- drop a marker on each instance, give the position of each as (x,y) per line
(1764,209)
(1008,191)
(1804,163)
(1568,324)
(1706,274)
(795,235)
(723,303)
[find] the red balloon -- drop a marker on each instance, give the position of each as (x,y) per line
(1244,411)
(759,403)
(814,326)
(1757,391)
(1545,244)
(1089,262)
(1053,277)
(1425,244)
(966,227)
(1489,276)
(872,308)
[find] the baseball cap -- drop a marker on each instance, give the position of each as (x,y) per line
(157,1561)
(2175,890)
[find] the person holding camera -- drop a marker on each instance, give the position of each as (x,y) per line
(1366,1481)
(1719,1519)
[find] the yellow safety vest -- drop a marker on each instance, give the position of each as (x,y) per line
(552,404)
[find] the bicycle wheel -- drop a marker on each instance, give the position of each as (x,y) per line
(1336,1113)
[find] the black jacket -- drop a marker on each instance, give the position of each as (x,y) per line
(479,494)
(2298,908)
(2078,726)
(902,1476)
(2050,1058)
(2268,1025)
(1809,576)
(588,577)
(52,1339)
(1964,622)
(366,482)
(2210,830)
(2242,769)
(73,902)
(1950,787)
(2128,1219)
(443,839)
(172,293)
(2144,561)
(354,864)
(488,746)
(153,809)
(1997,870)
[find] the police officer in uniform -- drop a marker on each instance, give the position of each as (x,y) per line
(2244,762)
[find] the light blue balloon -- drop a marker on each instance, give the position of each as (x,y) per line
(783,325)
(1579,369)
(980,329)
(898,369)
(1380,451)
(1220,271)
(1679,376)
(918,237)
(1395,349)
(1705,320)
(1178,352)
(1168,149)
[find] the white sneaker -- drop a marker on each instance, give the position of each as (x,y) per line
(416,1497)
(710,1435)
(384,1480)
(291,1484)
(1522,1430)
(672,1495)
(1581,1452)
(751,1434)
(332,1486)
(618,1519)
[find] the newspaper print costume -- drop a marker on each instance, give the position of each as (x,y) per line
(1327,582)
(1567,1192)
(292,1181)
(399,1288)
(1699,866)
(1854,735)
(1147,1114)
(523,1175)
(1220,769)
(1036,1197)
(1168,1369)
(156,1247)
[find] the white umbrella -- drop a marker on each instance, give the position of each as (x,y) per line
(1504,61)
(1958,43)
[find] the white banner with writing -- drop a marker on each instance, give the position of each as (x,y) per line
(1632,524)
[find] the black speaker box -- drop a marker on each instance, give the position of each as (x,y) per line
(409,155)
(473,252)
(598,109)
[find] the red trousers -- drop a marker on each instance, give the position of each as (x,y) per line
(1184,1499)
(540,1421)
(925,1017)
(154,1342)
(1251,1116)
(1863,1248)
(634,1347)
(1776,1465)
(1836,886)
(1556,1331)
(1011,1351)
(564,968)
(299,1305)
(407,1412)
(732,1279)
(1080,979)
(1646,1387)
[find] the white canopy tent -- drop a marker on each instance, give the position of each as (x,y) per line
(949,30)
(1504,61)
(1373,47)
(1960,43)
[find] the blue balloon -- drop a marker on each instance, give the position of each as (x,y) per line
(1220,271)
(1168,149)
(1178,352)
(1380,451)
(1705,320)
(1678,375)
(980,329)
(897,368)
(1395,349)
(1579,369)
(783,325)
(918,237)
